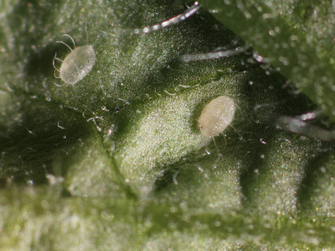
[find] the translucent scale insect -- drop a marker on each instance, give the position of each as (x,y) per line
(81,60)
(216,116)
(77,64)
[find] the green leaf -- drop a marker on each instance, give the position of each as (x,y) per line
(294,37)
(117,160)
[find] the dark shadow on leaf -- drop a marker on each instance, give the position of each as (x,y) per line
(314,174)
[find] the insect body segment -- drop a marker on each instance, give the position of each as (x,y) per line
(216,116)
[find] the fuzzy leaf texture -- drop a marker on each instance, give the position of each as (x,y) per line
(116,161)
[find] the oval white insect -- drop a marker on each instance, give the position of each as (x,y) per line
(216,116)
(77,64)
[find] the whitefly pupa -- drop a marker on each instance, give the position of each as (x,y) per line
(214,119)
(77,64)
(216,116)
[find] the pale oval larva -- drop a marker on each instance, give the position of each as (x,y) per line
(77,64)
(216,116)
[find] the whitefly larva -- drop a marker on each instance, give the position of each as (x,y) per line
(81,60)
(216,116)
(77,64)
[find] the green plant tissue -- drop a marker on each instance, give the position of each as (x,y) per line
(117,161)
(296,37)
